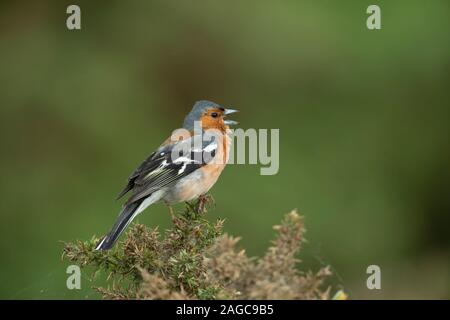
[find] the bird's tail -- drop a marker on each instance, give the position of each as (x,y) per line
(126,216)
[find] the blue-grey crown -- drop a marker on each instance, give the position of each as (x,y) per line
(197,111)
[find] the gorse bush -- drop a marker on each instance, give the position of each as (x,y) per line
(195,260)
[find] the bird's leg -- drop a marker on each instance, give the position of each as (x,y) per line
(170,208)
(203,201)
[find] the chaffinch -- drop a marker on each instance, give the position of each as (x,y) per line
(166,175)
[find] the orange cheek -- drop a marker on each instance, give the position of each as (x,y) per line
(210,123)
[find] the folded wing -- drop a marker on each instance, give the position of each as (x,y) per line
(167,165)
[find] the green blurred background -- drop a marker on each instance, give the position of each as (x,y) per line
(363,118)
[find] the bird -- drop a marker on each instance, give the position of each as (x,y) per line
(181,169)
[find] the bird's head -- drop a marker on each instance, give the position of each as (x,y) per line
(210,114)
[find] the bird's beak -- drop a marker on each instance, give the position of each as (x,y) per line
(230,122)
(230,111)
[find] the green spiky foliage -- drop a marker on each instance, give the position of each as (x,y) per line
(195,260)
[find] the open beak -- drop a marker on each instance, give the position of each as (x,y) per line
(230,122)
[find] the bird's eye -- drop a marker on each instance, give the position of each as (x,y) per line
(214,115)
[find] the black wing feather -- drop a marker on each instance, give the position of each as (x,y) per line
(148,164)
(159,170)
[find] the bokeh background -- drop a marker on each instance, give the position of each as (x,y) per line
(363,118)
